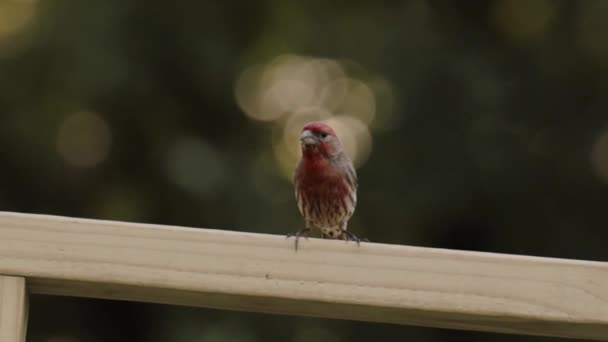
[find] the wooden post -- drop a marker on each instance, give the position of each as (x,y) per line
(13,309)
(325,278)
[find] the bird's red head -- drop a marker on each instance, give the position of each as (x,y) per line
(319,141)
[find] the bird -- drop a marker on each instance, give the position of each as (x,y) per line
(325,183)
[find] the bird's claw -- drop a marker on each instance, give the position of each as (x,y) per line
(350,236)
(298,234)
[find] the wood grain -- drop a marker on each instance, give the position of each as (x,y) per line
(333,279)
(13,309)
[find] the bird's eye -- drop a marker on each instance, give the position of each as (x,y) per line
(323,135)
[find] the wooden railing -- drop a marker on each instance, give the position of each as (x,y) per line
(324,278)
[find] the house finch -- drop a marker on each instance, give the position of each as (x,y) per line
(326,184)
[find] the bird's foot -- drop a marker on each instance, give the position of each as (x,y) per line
(298,234)
(350,236)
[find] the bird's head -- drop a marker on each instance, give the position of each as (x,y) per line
(319,141)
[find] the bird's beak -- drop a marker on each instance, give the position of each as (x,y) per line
(308,138)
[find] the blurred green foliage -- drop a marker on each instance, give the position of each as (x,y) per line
(125,109)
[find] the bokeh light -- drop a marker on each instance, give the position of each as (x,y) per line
(523,21)
(15,15)
(353,97)
(286,160)
(84,139)
(291,90)
(354,135)
(385,100)
(246,93)
(285,84)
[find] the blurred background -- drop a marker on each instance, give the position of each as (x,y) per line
(474,125)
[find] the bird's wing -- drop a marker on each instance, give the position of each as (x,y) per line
(295,176)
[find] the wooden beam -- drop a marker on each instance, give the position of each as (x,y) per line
(13,309)
(325,278)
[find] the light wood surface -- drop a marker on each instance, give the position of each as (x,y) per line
(13,309)
(325,278)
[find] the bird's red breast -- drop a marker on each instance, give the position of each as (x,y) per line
(325,178)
